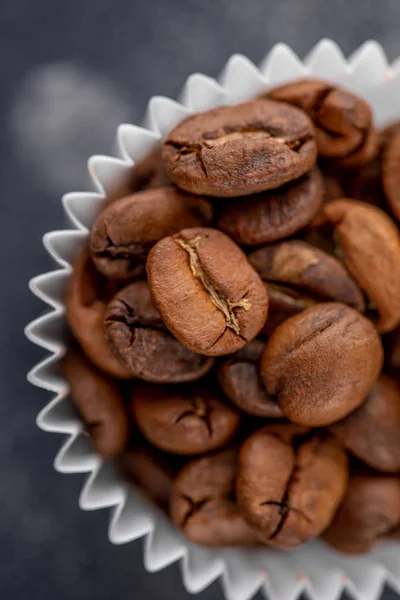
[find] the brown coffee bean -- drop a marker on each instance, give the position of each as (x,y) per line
(372,432)
(343,121)
(321,364)
(370,243)
(240,380)
(290,433)
(240,150)
(284,302)
(207,293)
(184,419)
(273,215)
(391,170)
(149,173)
(139,339)
(123,234)
(370,510)
(151,471)
(290,495)
(100,403)
(308,270)
(203,502)
(393,352)
(86,305)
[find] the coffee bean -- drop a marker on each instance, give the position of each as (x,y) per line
(139,339)
(239,378)
(184,419)
(343,121)
(307,270)
(372,432)
(290,494)
(321,364)
(391,169)
(207,293)
(273,215)
(393,352)
(100,403)
(284,302)
(203,502)
(149,173)
(86,302)
(370,510)
(151,471)
(370,243)
(123,234)
(240,150)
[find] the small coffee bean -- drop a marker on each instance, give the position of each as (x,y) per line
(290,495)
(240,381)
(370,510)
(208,294)
(184,419)
(284,302)
(393,353)
(139,339)
(240,150)
(307,270)
(86,302)
(149,173)
(391,170)
(370,243)
(151,471)
(123,234)
(343,121)
(322,363)
(203,502)
(273,215)
(372,432)
(100,403)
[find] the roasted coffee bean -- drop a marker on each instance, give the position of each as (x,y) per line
(370,243)
(290,433)
(86,302)
(273,215)
(99,402)
(203,502)
(123,234)
(290,494)
(372,432)
(207,293)
(240,380)
(321,364)
(284,302)
(370,510)
(307,270)
(151,471)
(149,173)
(139,339)
(393,352)
(240,150)
(391,170)
(184,419)
(343,121)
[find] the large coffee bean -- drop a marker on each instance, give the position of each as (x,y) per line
(208,294)
(239,150)
(321,364)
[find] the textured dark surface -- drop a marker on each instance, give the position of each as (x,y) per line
(104,60)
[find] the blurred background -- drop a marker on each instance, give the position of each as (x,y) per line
(70,73)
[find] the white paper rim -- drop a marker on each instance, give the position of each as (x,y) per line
(314,569)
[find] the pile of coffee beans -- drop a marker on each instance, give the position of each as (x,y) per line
(236,323)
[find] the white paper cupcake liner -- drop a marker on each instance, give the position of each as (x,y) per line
(315,569)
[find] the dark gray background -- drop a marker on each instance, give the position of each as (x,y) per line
(70,72)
